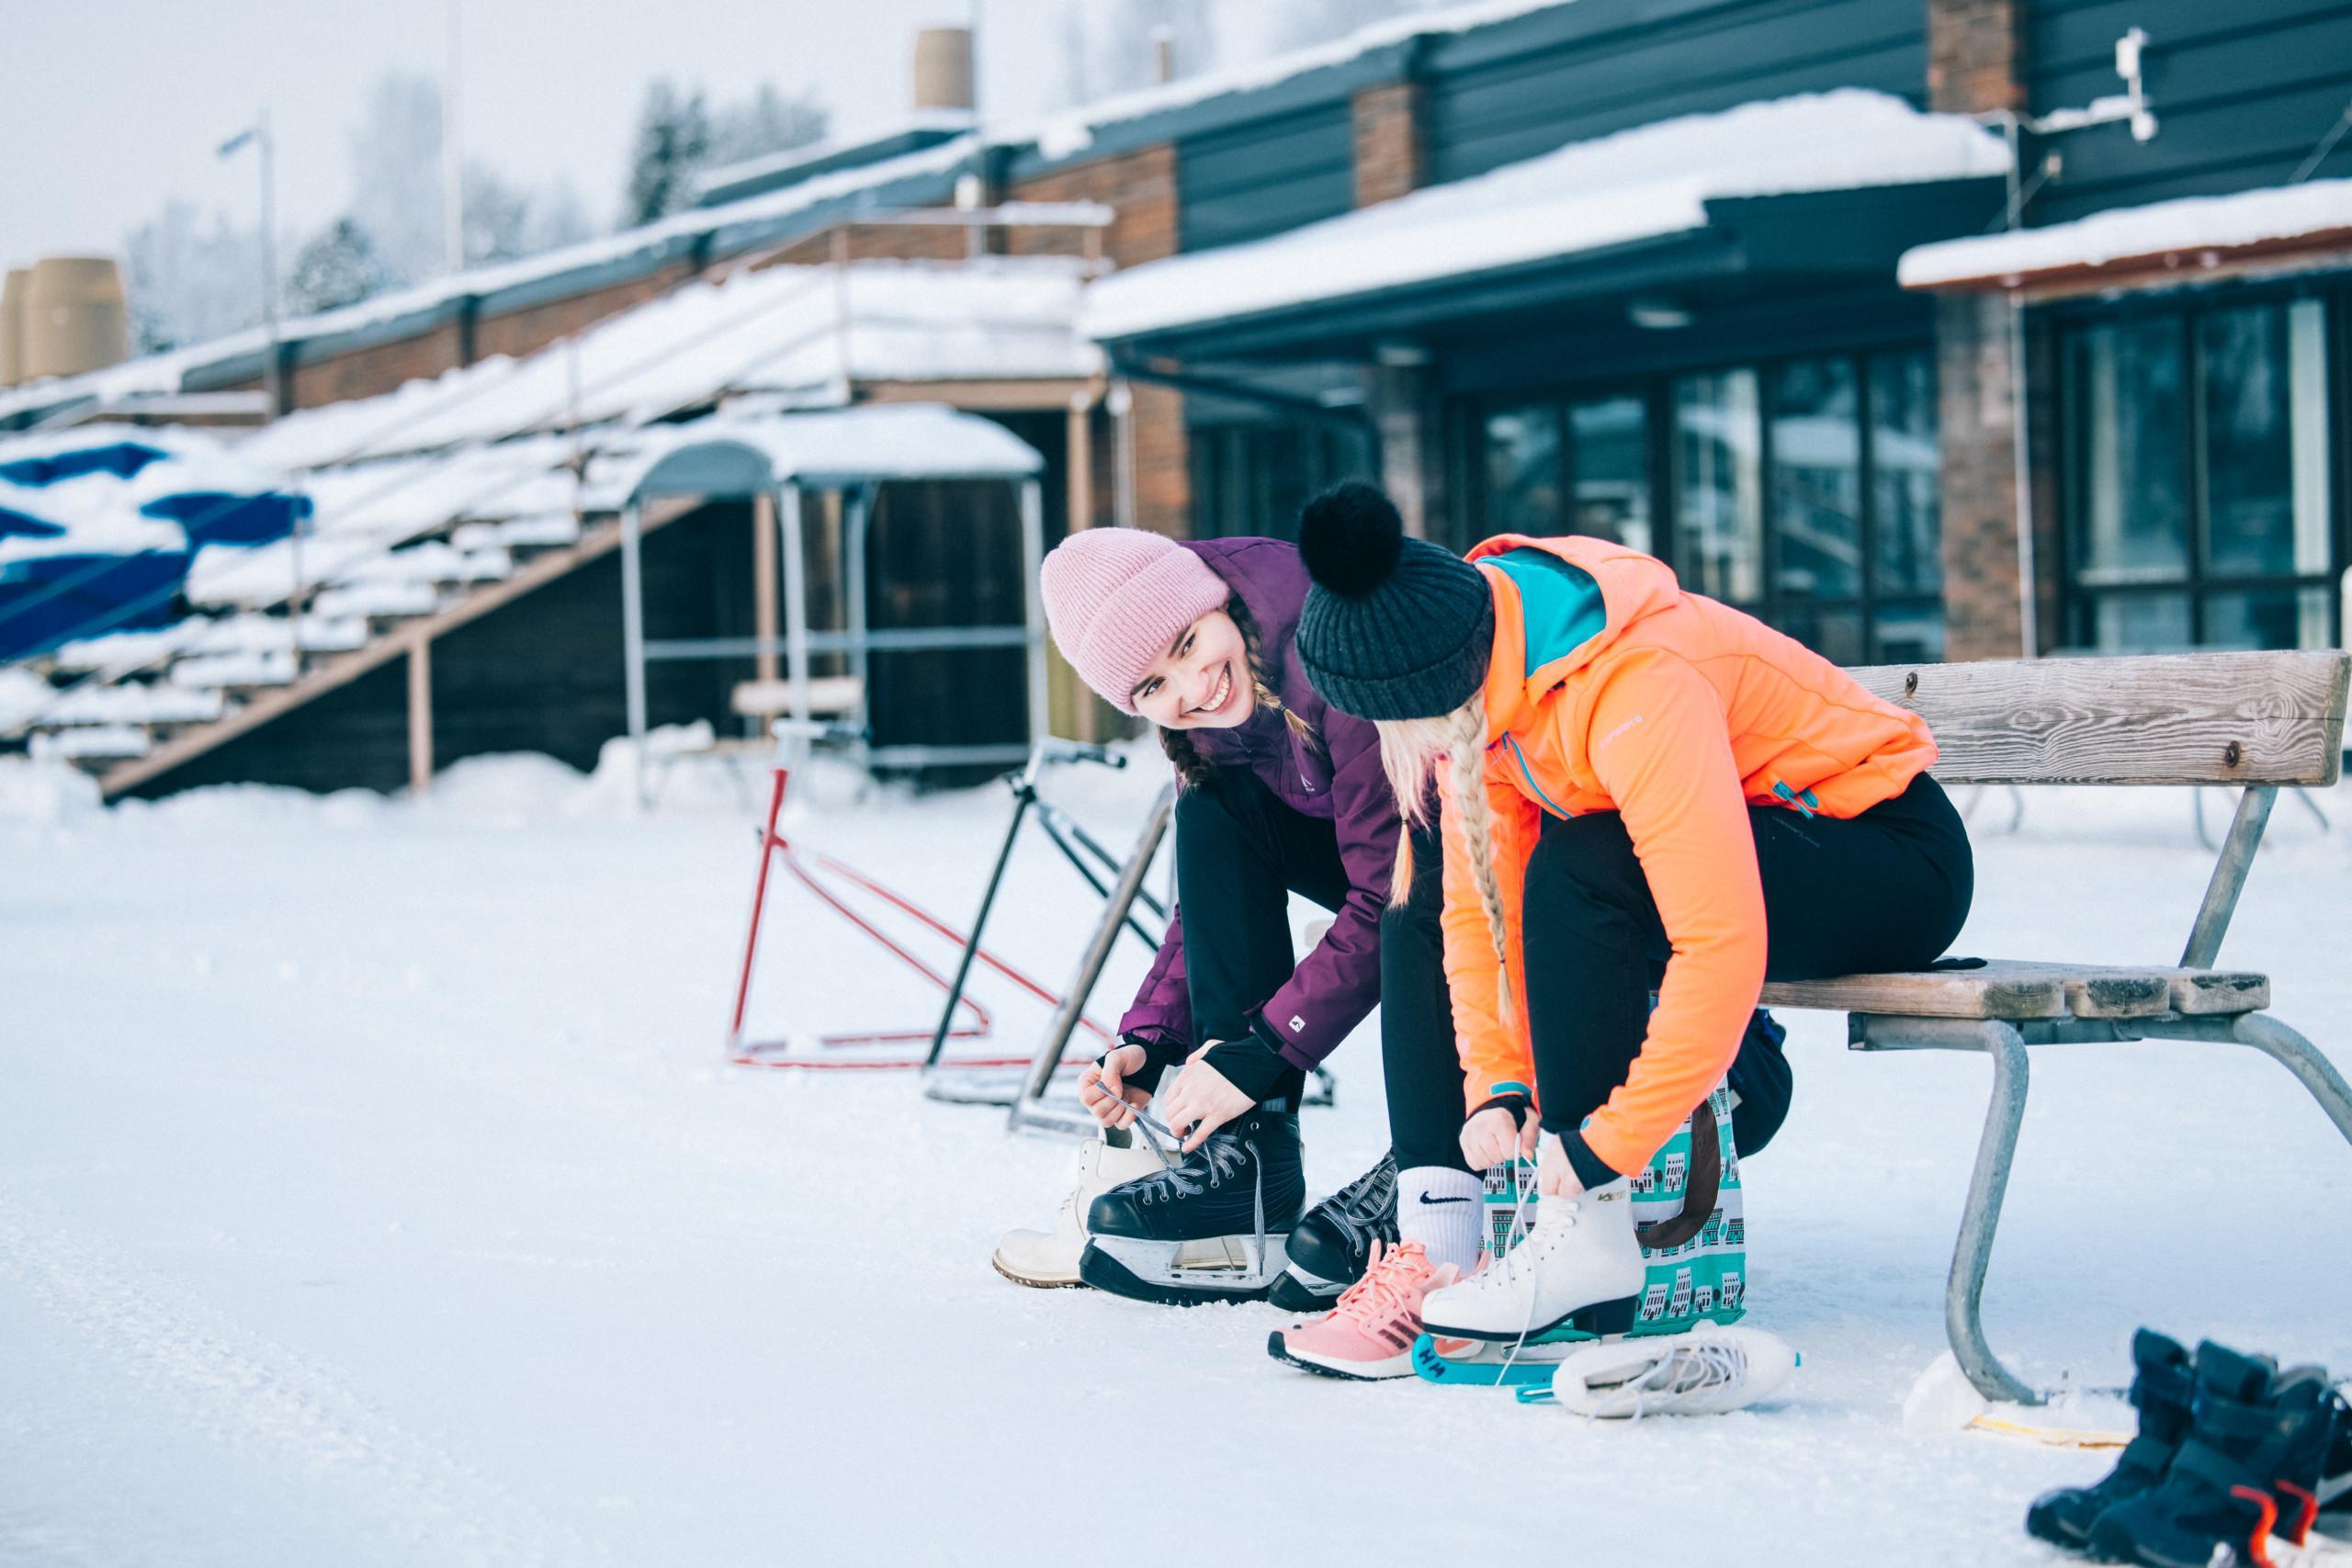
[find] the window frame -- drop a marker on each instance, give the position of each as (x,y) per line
(2187,310)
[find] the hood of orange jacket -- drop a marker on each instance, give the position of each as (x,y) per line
(1611,688)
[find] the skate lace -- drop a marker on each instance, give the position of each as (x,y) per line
(1682,1372)
(1356,1210)
(1208,1165)
(1380,1296)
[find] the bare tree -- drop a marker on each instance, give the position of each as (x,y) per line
(189,279)
(396,174)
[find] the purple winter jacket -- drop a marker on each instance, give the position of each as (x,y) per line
(1339,781)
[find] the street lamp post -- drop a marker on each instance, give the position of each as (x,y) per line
(258,134)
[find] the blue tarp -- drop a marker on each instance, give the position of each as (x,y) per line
(56,599)
(123,459)
(217,517)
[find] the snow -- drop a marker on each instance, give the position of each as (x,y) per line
(381,600)
(272,667)
(96,742)
(804,329)
(1070,132)
(372,1191)
(1645,183)
(2161,232)
(792,158)
(120,654)
(880,441)
(22,694)
(133,704)
(100,512)
(163,373)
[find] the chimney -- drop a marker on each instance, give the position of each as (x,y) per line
(944,68)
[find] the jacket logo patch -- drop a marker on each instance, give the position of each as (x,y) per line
(1297,1024)
(1616,732)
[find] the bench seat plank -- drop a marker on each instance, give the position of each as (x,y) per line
(2019,990)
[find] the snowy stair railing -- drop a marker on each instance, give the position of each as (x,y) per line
(2256,721)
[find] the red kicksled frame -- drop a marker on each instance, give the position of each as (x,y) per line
(803,867)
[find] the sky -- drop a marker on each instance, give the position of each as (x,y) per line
(109,108)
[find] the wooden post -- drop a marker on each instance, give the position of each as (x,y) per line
(764,583)
(1077,457)
(419,716)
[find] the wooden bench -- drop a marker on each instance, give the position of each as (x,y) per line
(2259,720)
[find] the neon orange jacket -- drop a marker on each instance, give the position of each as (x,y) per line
(1611,689)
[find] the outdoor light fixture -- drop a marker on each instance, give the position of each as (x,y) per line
(1658,315)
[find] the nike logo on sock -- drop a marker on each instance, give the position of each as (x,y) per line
(1427,1199)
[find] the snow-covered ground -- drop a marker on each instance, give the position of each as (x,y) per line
(373,1190)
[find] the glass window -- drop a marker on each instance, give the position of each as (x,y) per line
(2131,524)
(1907,462)
(2268,617)
(1610,441)
(2140,622)
(1719,487)
(1817,481)
(1523,472)
(2263,379)
(1907,634)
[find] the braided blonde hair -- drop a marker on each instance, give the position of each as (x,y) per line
(1409,749)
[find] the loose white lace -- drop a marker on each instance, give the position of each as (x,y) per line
(1698,1367)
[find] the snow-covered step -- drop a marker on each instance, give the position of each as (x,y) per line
(257,633)
(96,743)
(274,667)
(435,560)
(545,530)
(117,652)
(134,704)
(390,599)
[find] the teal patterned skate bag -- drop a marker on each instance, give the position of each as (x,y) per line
(1686,1211)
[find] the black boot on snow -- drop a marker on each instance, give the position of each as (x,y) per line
(2259,1434)
(1333,1245)
(1214,1227)
(2161,1383)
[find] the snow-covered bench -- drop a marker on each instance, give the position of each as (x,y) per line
(2258,720)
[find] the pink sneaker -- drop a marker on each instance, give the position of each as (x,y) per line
(1370,1333)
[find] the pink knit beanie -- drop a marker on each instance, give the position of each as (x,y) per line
(1117,598)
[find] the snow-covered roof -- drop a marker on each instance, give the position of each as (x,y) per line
(937,122)
(1071,131)
(805,330)
(165,372)
(2163,237)
(879,441)
(1649,182)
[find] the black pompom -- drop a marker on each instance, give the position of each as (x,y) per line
(1351,536)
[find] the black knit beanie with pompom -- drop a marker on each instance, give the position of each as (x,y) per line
(1394,628)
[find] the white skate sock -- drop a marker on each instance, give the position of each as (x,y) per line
(1443,1209)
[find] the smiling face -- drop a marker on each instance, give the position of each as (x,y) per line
(1200,680)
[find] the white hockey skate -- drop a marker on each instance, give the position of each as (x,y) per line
(1049,1259)
(1579,1266)
(1703,1371)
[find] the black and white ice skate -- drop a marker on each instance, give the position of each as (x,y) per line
(1214,1227)
(1333,1245)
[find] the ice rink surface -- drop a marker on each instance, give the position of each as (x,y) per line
(373,1190)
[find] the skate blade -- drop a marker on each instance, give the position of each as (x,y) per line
(1157,1270)
(1293,1293)
(1476,1363)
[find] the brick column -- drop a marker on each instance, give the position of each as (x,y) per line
(1140,188)
(1390,160)
(1974,63)
(1390,163)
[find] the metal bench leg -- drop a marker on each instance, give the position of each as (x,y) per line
(1965,1289)
(2301,1057)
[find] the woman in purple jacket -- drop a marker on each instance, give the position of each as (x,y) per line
(1279,795)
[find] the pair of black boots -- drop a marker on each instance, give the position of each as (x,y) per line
(2232,1452)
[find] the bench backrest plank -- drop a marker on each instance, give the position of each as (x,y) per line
(2199,719)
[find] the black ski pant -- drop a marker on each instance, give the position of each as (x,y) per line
(1424,1071)
(1240,854)
(1887,889)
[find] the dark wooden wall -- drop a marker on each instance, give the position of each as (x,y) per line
(1265,177)
(2243,92)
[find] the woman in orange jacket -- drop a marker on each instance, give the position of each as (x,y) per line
(1643,791)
